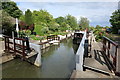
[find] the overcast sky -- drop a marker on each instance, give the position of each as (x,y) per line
(97,12)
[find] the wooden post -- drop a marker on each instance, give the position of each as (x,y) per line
(8,44)
(23,49)
(104,44)
(118,60)
(109,49)
(5,44)
(14,44)
(58,38)
(114,59)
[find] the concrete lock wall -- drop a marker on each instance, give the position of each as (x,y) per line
(37,49)
(80,54)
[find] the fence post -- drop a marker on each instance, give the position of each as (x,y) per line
(23,49)
(118,60)
(104,44)
(108,50)
(8,44)
(5,44)
(114,59)
(14,48)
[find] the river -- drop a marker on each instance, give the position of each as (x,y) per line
(57,62)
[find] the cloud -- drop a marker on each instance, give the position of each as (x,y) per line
(96,12)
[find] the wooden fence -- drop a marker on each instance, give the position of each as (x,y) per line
(110,49)
(53,37)
(17,45)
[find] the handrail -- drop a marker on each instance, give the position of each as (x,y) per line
(8,47)
(20,39)
(110,41)
(7,36)
(106,49)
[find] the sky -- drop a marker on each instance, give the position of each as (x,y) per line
(98,13)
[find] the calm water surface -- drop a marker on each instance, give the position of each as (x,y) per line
(57,62)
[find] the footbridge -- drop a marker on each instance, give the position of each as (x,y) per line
(97,59)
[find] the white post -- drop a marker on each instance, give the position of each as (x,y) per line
(17,28)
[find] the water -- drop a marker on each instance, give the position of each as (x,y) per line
(57,62)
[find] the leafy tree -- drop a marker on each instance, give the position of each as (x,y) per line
(28,17)
(64,26)
(44,22)
(83,23)
(115,21)
(7,23)
(42,16)
(98,27)
(63,23)
(107,27)
(12,9)
(53,26)
(41,28)
(22,18)
(60,20)
(72,21)
(45,30)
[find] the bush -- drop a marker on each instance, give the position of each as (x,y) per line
(24,33)
(99,33)
(37,37)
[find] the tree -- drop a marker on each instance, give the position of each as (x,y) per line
(7,24)
(60,20)
(12,9)
(28,17)
(53,26)
(42,20)
(63,23)
(22,18)
(98,27)
(42,16)
(64,26)
(72,21)
(115,21)
(83,23)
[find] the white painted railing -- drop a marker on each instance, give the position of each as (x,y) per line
(80,54)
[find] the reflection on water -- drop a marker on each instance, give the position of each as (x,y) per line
(75,47)
(57,62)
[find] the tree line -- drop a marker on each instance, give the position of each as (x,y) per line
(46,24)
(42,22)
